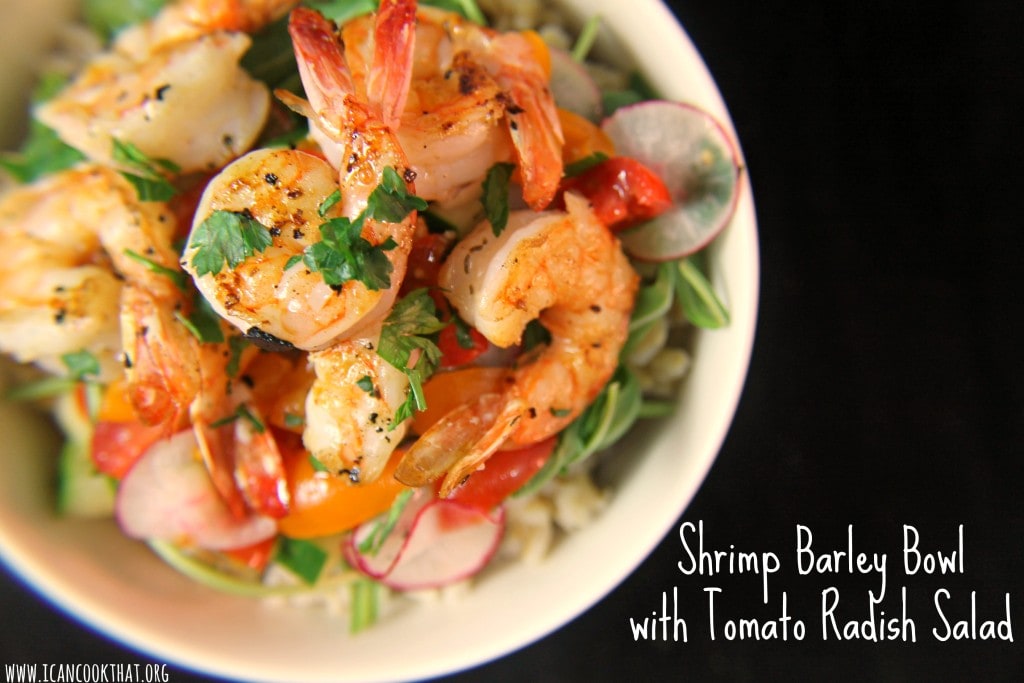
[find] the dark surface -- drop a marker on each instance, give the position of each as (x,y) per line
(884,145)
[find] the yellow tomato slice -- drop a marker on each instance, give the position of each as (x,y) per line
(323,504)
(445,391)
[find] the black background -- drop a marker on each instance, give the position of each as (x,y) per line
(884,145)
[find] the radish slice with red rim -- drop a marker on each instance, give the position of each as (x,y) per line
(167,495)
(436,542)
(573,87)
(698,162)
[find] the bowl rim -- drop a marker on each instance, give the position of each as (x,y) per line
(29,565)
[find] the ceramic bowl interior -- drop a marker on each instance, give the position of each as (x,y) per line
(117,586)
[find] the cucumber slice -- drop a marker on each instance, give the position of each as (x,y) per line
(82,491)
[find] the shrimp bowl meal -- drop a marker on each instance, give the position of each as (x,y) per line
(331,324)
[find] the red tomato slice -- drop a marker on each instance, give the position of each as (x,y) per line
(254,556)
(117,445)
(622,191)
(453,353)
(503,474)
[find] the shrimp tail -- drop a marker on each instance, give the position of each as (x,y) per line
(537,138)
(161,359)
(460,442)
(392,66)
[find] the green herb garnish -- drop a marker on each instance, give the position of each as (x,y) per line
(697,297)
(148,176)
(365,604)
(43,152)
(179,278)
(313,460)
(372,544)
(342,254)
(227,237)
(303,558)
(495,196)
(107,17)
(404,332)
(79,364)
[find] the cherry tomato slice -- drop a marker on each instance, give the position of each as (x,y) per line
(323,504)
(503,474)
(453,353)
(622,191)
(117,445)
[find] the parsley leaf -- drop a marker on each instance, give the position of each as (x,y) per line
(227,236)
(495,197)
(43,152)
(342,254)
(404,332)
(390,201)
(148,177)
(80,364)
(179,278)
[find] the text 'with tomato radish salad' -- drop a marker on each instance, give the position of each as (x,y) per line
(336,300)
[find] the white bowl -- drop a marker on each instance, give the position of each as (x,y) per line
(120,588)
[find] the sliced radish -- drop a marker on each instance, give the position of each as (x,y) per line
(573,87)
(436,542)
(167,495)
(699,164)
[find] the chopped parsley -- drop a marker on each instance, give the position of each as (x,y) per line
(148,176)
(80,364)
(343,254)
(227,237)
(179,278)
(241,412)
(405,332)
(314,461)
(495,196)
(43,152)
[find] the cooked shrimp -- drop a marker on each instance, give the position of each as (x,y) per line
(272,295)
(188,19)
(476,97)
(563,268)
(69,242)
(173,87)
(350,410)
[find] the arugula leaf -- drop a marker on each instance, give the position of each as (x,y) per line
(697,297)
(43,152)
(227,237)
(342,254)
(303,558)
(603,423)
(149,180)
(364,606)
(495,196)
(403,333)
(371,545)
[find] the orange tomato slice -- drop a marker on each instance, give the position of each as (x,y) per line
(323,504)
